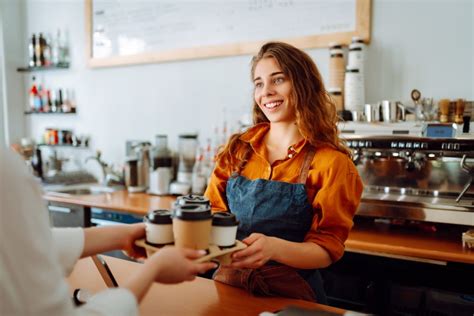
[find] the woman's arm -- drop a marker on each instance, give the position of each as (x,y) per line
(304,255)
(115,237)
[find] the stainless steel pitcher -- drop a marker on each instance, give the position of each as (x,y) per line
(372,112)
(393,111)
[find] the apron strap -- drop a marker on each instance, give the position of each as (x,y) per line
(308,158)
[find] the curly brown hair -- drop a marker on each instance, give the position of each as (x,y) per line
(316,116)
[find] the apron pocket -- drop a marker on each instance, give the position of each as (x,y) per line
(268,280)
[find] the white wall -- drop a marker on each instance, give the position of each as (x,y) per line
(426,45)
(12,51)
(3,131)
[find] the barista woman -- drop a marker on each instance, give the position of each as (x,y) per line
(288,179)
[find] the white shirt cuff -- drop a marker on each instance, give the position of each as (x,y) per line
(116,301)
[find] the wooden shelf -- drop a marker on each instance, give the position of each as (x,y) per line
(63,145)
(44,113)
(53,67)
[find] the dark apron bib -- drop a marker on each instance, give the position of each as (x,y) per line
(277,209)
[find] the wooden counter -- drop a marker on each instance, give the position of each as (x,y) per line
(383,240)
(371,239)
(199,297)
(136,203)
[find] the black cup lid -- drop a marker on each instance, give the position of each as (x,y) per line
(192,212)
(159,217)
(224,219)
(192,199)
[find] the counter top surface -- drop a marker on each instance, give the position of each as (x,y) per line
(199,297)
(372,239)
(137,203)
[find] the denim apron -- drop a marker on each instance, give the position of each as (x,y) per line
(278,209)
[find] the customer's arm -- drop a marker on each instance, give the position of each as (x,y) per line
(106,238)
(74,243)
(169,265)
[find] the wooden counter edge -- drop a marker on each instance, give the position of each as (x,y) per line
(415,254)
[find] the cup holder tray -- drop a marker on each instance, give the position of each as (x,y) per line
(215,253)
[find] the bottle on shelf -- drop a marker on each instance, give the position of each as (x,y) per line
(199,177)
(34,96)
(47,50)
(40,44)
(66,105)
(63,48)
(54,101)
(47,101)
(32,51)
(209,158)
(59,101)
(55,49)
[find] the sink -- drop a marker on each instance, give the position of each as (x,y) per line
(79,192)
(84,189)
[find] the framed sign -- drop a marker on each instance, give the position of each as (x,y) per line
(121,32)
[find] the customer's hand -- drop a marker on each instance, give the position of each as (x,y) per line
(133,232)
(175,265)
(260,249)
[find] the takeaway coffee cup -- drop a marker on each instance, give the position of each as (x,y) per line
(192,226)
(159,228)
(224,229)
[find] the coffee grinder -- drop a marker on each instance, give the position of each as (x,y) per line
(161,171)
(137,168)
(187,146)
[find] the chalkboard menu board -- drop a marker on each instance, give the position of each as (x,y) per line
(123,32)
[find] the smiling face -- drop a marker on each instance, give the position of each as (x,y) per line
(272,91)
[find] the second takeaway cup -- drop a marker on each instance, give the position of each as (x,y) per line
(159,228)
(224,229)
(192,226)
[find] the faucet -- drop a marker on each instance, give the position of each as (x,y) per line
(108,175)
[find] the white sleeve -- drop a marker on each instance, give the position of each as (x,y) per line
(116,302)
(31,277)
(69,244)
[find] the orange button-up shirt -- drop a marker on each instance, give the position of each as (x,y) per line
(333,186)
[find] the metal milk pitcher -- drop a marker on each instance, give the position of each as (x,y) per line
(393,111)
(372,112)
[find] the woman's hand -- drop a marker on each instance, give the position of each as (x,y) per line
(175,265)
(132,233)
(260,249)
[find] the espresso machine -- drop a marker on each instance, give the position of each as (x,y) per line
(416,178)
